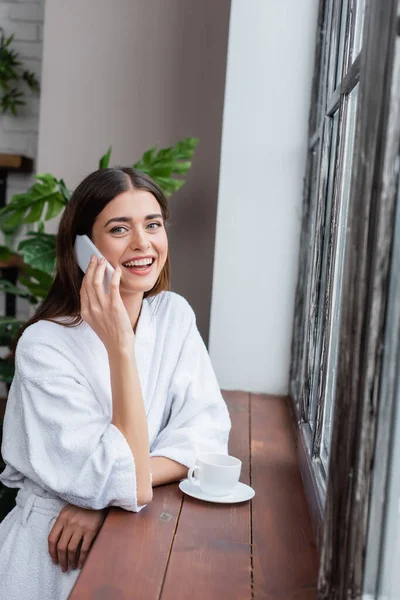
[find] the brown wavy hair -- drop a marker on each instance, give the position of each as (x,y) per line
(87,202)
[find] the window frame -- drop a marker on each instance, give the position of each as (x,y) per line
(319,236)
(360,378)
(343,525)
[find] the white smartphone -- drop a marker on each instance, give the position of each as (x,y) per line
(84,250)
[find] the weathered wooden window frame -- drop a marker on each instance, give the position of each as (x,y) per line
(327,136)
(383,517)
(361,402)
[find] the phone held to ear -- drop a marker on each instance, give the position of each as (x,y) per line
(84,250)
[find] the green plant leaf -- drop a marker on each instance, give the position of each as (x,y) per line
(5,253)
(37,292)
(164,165)
(160,170)
(9,288)
(53,208)
(66,193)
(31,79)
(38,275)
(38,282)
(28,207)
(39,251)
(10,224)
(169,185)
(148,156)
(105,159)
(9,327)
(165,154)
(181,168)
(35,214)
(7,369)
(46,178)
(11,75)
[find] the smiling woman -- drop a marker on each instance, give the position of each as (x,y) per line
(113,393)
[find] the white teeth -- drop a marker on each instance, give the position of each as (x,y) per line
(139,263)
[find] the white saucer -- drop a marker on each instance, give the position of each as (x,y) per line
(241,493)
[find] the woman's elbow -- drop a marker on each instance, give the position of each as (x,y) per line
(145,496)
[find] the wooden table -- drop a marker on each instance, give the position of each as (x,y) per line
(179,548)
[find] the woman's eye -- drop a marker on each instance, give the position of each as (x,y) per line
(154,225)
(118,230)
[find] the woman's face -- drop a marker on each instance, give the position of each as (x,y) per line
(130,232)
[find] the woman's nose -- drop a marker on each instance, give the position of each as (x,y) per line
(139,241)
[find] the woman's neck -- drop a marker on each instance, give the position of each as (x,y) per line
(133,305)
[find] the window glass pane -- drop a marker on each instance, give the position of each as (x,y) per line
(358,29)
(342,39)
(389,571)
(338,275)
(317,302)
(320,97)
(300,351)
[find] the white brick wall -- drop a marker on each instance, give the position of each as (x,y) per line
(19,134)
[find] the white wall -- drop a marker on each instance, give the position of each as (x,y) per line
(267,97)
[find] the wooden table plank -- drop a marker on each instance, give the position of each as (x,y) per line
(129,557)
(211,554)
(285,557)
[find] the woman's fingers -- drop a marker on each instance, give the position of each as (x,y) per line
(98,281)
(84,551)
(105,313)
(87,282)
(73,534)
(53,538)
(73,550)
(84,300)
(114,286)
(93,282)
(62,548)
(90,271)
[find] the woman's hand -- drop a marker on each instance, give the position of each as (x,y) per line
(73,534)
(106,313)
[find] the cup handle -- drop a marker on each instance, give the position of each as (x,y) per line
(191,474)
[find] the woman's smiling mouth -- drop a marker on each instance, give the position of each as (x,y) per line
(140,266)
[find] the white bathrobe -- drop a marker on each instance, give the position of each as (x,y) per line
(60,446)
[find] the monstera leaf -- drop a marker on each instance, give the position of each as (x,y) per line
(163,165)
(47,193)
(37,281)
(39,251)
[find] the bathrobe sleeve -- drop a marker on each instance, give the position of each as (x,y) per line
(56,434)
(198,419)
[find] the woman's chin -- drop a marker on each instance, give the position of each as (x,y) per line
(137,287)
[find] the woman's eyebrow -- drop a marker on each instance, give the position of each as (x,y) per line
(129,219)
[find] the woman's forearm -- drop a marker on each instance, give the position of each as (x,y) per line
(129,416)
(165,470)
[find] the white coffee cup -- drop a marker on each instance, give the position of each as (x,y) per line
(215,474)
